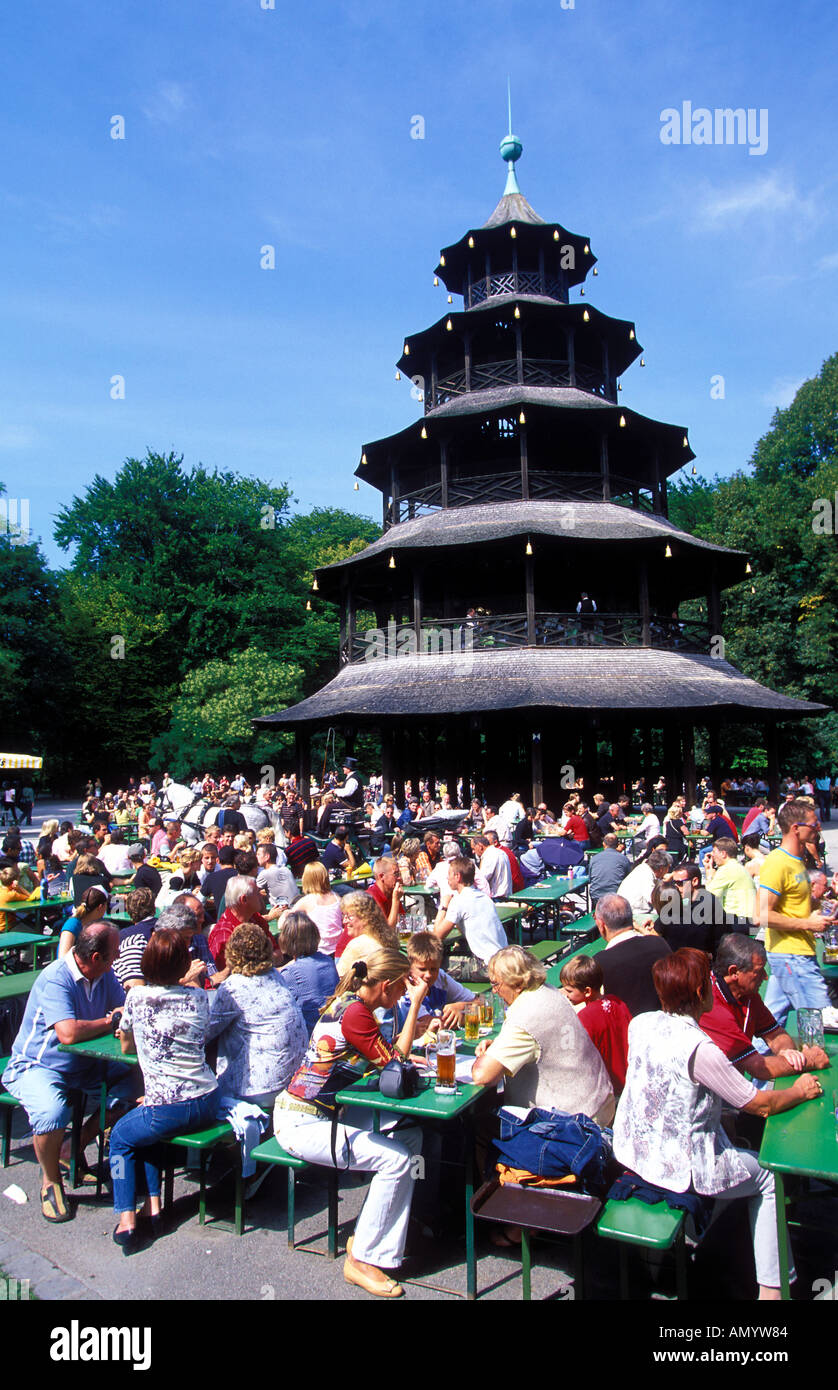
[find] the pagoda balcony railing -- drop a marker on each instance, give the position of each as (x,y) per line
(536,371)
(491,630)
(506,487)
(512,282)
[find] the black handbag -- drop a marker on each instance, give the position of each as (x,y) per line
(399,1080)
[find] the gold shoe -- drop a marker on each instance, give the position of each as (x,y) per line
(382,1287)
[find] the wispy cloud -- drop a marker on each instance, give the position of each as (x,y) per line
(765,195)
(167,104)
(17,437)
(782,392)
(829,262)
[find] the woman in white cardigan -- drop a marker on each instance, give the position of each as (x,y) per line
(668,1124)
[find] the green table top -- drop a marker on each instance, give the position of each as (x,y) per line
(13,985)
(11,939)
(427,1105)
(39,904)
(550,890)
(803,1140)
(104,1049)
(419,890)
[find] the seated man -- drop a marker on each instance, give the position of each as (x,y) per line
(699,920)
(637,886)
(607,871)
(494,866)
(243,904)
(629,955)
(729,881)
(738,1016)
(71,1001)
(278,884)
(386,889)
(475,915)
(337,854)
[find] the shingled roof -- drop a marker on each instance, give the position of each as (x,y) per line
(575,679)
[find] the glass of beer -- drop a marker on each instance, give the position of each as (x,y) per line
(472,1020)
(446,1061)
(487,1014)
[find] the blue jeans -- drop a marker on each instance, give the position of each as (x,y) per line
(142,1134)
(795,983)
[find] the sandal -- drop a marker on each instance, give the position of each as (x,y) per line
(54,1206)
(382,1287)
(85,1177)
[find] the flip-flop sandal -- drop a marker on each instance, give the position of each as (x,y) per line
(54,1206)
(85,1177)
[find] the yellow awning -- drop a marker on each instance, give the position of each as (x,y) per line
(19,760)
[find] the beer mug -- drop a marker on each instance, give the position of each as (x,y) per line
(487,1013)
(810,1027)
(472,1020)
(446,1061)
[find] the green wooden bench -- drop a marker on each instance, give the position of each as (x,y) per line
(272,1152)
(658,1227)
(204,1142)
(9,1104)
(13,985)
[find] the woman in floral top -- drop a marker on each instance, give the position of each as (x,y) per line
(347,1042)
(166,1024)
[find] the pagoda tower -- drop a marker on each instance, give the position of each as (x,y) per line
(526,484)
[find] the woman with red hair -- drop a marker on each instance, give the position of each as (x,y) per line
(668,1128)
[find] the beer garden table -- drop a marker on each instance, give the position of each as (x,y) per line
(548,892)
(16,940)
(105,1049)
(38,906)
(803,1142)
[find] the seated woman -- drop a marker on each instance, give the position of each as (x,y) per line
(365,928)
(165,1023)
(92,908)
(409,870)
(262,1036)
(89,872)
(321,905)
(668,1126)
(674,827)
(542,1052)
(310,975)
(344,1043)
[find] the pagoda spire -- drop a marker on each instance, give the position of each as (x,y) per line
(511,149)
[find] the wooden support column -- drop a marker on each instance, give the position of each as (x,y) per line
(343,645)
(537,764)
(606,369)
(434,382)
(672,769)
(648,773)
(773,756)
(388,766)
(688,758)
(467,359)
(394,494)
(529,579)
(302,761)
(443,471)
(714,611)
(619,747)
(519,353)
(590,761)
(571,354)
(715,757)
(350,621)
(643,603)
(656,488)
(468,284)
(525,466)
(603,467)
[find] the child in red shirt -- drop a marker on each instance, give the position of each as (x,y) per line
(604,1017)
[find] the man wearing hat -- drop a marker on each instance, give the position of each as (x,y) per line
(352,791)
(230,817)
(145,876)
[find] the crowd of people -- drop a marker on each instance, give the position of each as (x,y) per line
(287,950)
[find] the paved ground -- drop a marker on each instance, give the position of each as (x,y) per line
(80,1261)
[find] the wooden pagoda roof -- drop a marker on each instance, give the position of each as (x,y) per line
(623,348)
(409,448)
(618,681)
(531,233)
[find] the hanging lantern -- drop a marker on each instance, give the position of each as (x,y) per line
(392,564)
(512,233)
(582,289)
(686,442)
(596,272)
(315,586)
(442,260)
(436,282)
(643,361)
(753,589)
(586,249)
(423,433)
(450,299)
(363,458)
(529,546)
(668,553)
(555,236)
(586,318)
(308,605)
(522,419)
(471,242)
(355,487)
(619,386)
(407,349)
(398,376)
(694,471)
(631,334)
(517,312)
(748,568)
(622,422)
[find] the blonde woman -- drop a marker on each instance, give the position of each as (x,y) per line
(365,929)
(322,906)
(407,862)
(346,1041)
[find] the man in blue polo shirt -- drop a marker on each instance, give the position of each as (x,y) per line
(72,1001)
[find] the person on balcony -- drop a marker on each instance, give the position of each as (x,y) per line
(586,610)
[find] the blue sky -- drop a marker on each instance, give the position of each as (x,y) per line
(291,127)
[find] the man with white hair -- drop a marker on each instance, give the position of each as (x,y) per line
(243,904)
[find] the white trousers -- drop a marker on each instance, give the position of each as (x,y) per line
(381,1228)
(759,1192)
